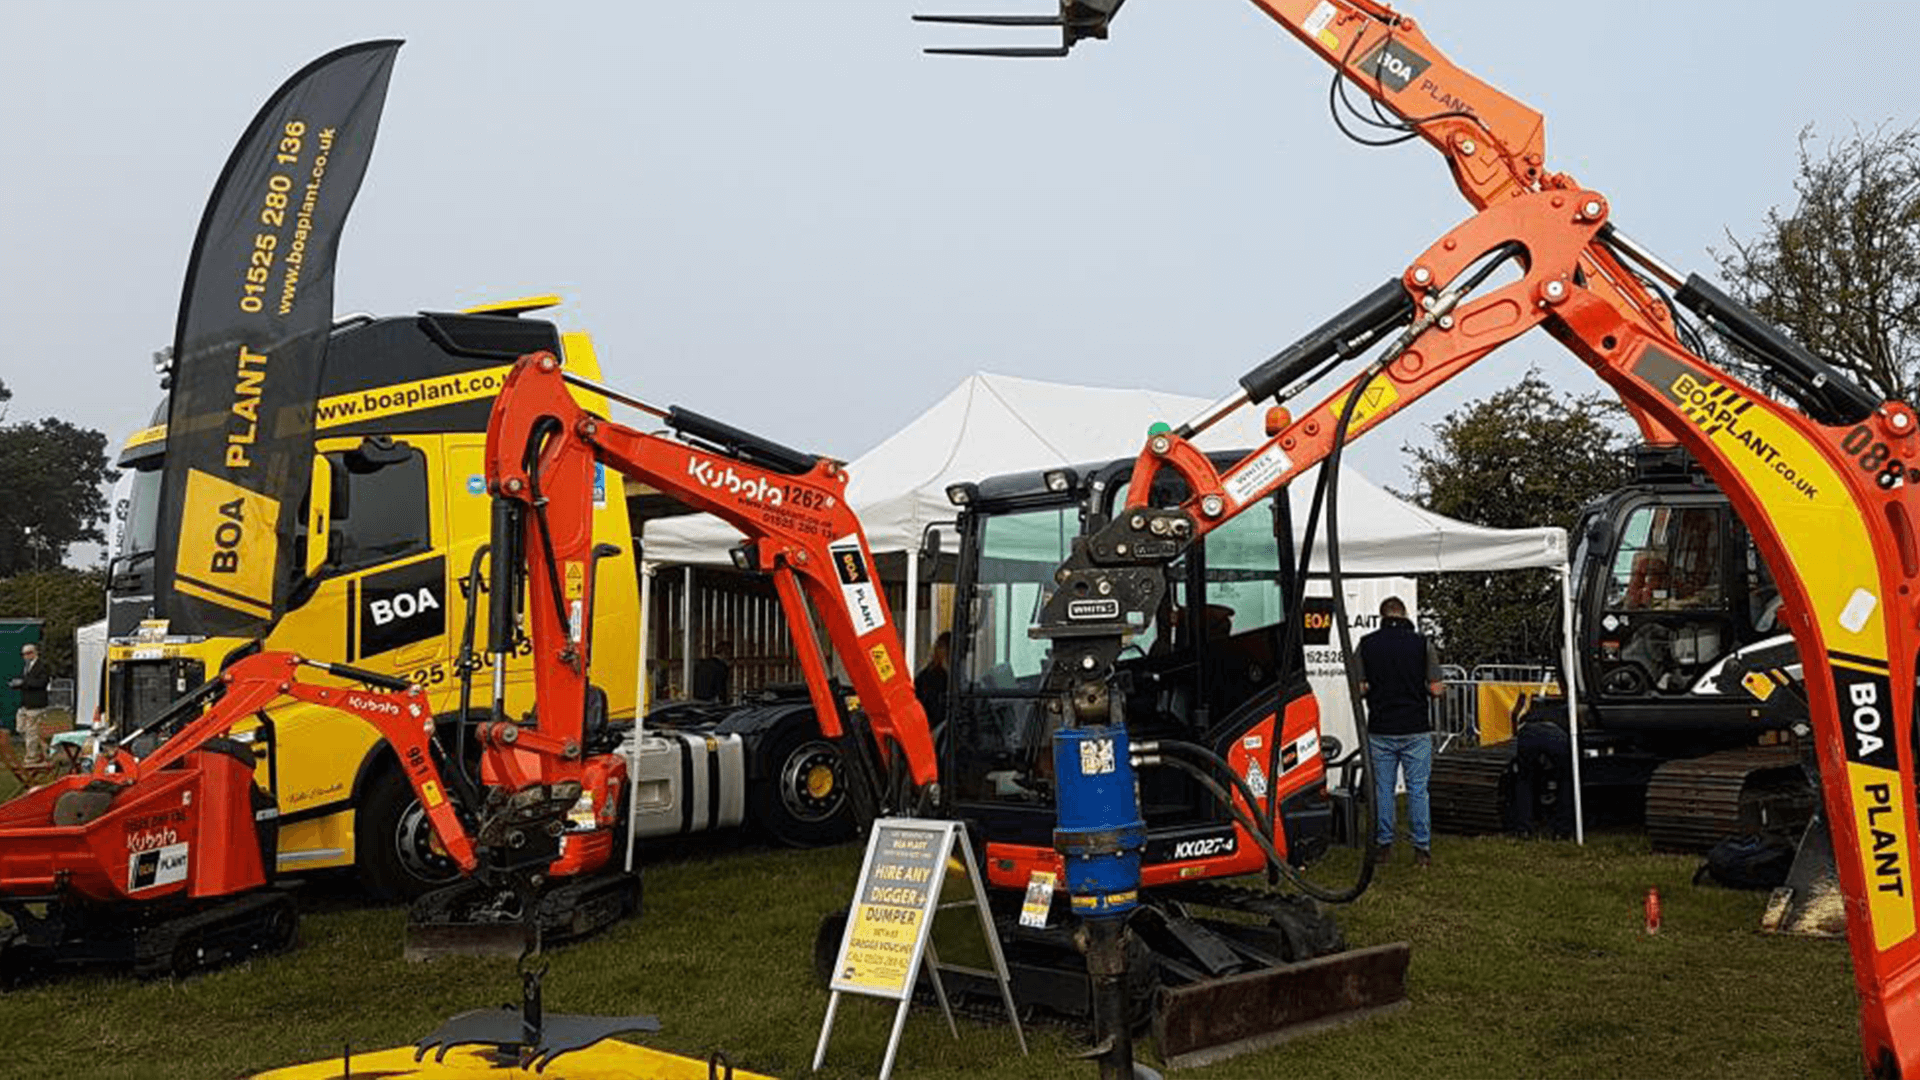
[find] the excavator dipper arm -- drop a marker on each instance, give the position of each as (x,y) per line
(1495,146)
(542,448)
(394,708)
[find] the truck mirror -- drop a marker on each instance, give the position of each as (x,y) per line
(1599,533)
(930,551)
(319,515)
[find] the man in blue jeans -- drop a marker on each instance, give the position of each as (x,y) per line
(1399,676)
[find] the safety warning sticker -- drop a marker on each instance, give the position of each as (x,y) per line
(1316,22)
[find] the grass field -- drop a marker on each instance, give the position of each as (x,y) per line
(1529,960)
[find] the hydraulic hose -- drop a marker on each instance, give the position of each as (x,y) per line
(466,661)
(1329,488)
(1336,583)
(1167,751)
(1291,642)
(1326,491)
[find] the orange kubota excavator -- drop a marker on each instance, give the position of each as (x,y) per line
(542,449)
(1825,476)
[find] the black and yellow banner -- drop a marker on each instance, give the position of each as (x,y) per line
(251,342)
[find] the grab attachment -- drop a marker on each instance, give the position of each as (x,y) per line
(1077,20)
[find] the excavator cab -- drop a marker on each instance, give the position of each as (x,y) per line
(1202,670)
(1219,967)
(1678,612)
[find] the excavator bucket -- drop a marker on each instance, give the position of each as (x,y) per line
(468,918)
(431,941)
(1811,903)
(1209,1021)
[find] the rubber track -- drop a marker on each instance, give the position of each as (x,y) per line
(1695,803)
(1465,791)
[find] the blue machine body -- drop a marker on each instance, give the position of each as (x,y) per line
(1098,829)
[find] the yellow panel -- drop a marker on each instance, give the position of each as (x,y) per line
(1498,704)
(145,436)
(331,833)
(513,307)
(1495,708)
(227,544)
(610,1060)
(576,348)
(320,754)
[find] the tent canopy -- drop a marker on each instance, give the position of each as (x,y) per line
(992,424)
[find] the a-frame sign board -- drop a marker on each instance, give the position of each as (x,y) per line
(889,936)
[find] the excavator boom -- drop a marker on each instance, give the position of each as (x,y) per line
(542,450)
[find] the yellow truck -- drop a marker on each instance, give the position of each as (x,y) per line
(395,513)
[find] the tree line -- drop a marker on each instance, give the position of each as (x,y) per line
(54,478)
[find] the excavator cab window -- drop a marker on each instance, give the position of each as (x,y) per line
(1668,614)
(1001,740)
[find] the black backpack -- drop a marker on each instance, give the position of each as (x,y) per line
(1753,861)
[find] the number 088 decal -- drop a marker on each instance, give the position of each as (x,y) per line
(1876,457)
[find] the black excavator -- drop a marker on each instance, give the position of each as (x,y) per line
(1691,719)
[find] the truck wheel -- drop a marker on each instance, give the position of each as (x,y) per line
(802,802)
(395,851)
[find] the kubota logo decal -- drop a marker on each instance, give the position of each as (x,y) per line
(753,488)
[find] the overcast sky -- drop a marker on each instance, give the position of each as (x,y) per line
(780,213)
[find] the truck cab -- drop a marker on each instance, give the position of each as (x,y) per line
(395,513)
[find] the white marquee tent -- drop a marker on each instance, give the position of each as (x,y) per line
(992,424)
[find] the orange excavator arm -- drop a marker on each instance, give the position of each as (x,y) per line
(542,446)
(398,710)
(1830,492)
(1828,484)
(1495,145)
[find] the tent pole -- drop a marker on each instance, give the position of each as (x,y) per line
(645,695)
(913,609)
(686,631)
(1572,692)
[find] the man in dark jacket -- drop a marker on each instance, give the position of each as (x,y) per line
(32,684)
(712,674)
(1400,676)
(930,686)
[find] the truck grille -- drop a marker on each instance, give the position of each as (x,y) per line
(139,690)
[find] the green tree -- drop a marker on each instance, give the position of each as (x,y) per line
(1524,456)
(66,598)
(54,475)
(1841,272)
